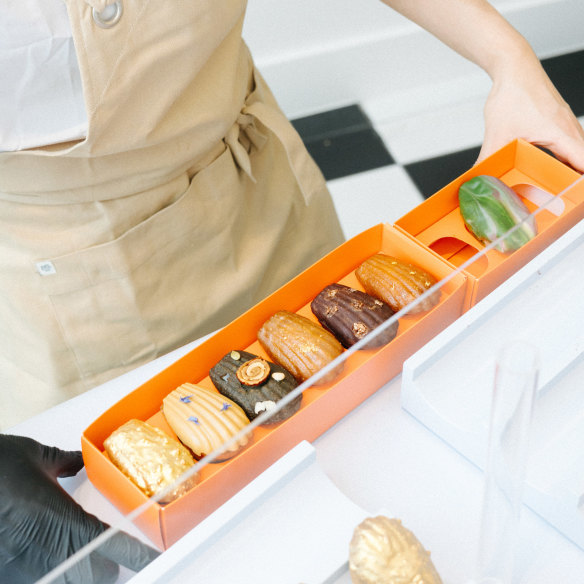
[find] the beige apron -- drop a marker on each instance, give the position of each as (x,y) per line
(190,200)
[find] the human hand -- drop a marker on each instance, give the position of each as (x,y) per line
(41,525)
(523,103)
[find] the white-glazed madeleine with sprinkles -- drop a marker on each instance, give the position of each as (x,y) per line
(204,420)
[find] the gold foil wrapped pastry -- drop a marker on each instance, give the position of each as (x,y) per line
(383,551)
(150,458)
(204,420)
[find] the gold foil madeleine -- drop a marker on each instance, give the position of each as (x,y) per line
(383,551)
(397,283)
(150,458)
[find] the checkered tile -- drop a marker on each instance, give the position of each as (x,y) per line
(377,174)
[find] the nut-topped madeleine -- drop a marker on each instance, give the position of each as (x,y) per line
(351,314)
(255,384)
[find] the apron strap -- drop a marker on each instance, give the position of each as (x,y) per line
(244,134)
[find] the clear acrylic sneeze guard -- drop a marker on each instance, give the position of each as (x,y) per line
(540,305)
(539,302)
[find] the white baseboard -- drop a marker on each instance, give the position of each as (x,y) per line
(404,69)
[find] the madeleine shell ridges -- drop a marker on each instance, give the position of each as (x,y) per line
(351,314)
(204,419)
(299,345)
(397,283)
(250,398)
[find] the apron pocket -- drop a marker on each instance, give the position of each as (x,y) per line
(124,302)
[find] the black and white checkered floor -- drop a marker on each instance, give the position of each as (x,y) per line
(377,174)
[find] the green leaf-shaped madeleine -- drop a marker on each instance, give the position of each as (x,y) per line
(490,209)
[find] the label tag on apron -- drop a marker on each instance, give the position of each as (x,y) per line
(46,268)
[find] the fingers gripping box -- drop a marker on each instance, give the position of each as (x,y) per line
(437,223)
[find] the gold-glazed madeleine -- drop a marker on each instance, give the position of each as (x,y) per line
(397,283)
(300,345)
(150,458)
(382,550)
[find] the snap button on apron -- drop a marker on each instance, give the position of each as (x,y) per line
(109,16)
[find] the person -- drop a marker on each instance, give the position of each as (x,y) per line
(523,102)
(41,525)
(184,196)
(181,195)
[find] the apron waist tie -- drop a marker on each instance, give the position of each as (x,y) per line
(244,134)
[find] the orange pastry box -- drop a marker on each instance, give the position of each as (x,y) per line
(437,224)
(432,237)
(322,405)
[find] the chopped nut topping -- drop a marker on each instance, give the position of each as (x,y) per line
(278,376)
(360,329)
(253,372)
(264,406)
(357,304)
(330,310)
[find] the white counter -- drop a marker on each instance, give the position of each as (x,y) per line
(379,457)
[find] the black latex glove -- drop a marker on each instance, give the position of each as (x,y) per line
(41,525)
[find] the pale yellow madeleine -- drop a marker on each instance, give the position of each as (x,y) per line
(204,419)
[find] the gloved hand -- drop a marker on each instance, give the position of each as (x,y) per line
(41,525)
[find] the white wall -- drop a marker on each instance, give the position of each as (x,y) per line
(321,54)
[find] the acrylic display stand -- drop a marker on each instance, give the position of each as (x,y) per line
(447,385)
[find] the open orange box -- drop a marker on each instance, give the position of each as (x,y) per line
(364,372)
(437,223)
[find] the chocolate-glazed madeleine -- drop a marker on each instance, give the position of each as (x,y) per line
(397,283)
(256,385)
(300,345)
(351,314)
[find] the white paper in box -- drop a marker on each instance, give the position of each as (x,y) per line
(447,385)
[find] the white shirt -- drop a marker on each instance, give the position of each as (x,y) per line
(41,97)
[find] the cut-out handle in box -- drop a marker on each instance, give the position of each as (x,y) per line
(541,198)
